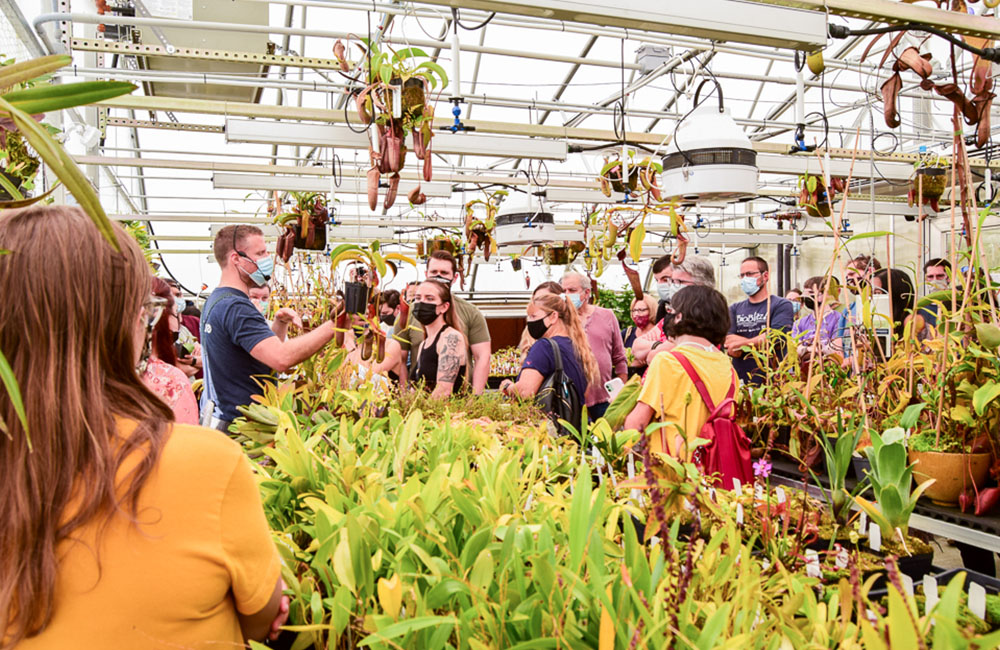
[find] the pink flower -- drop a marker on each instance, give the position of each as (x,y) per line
(762,468)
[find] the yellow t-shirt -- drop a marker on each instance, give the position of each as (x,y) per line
(200,552)
(672,395)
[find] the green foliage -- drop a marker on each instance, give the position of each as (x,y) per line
(891,476)
(618,301)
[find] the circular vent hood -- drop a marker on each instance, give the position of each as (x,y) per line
(522,220)
(710,158)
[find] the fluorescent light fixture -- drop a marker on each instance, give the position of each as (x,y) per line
(329,135)
(800,164)
(555,195)
(720,20)
(229,181)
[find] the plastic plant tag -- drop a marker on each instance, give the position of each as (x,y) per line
(930,593)
(812,564)
(863,523)
(758,492)
(739,514)
(874,537)
(841,560)
(780,493)
(977,600)
(907,583)
(765,564)
(737,486)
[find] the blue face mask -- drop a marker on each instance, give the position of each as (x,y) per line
(575,299)
(265,266)
(749,286)
(666,290)
(796,306)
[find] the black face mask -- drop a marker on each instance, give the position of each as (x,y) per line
(537,328)
(387,319)
(809,302)
(425,313)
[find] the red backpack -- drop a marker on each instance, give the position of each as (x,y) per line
(727,455)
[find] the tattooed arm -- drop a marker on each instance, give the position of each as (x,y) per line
(451,358)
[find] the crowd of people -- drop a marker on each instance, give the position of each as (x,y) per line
(117,473)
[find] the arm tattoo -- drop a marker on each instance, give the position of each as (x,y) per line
(450,360)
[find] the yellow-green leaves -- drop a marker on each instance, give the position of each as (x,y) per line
(390,595)
(635,241)
(989,335)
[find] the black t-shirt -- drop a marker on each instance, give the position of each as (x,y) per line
(541,359)
(230,327)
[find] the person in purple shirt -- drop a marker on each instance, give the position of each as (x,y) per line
(818,297)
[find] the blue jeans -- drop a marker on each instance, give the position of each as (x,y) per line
(596,411)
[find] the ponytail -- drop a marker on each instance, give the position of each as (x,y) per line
(581,346)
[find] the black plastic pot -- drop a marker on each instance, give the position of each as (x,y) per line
(355,297)
(516,264)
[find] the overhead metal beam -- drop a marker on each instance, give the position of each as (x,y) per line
(720,20)
(898,13)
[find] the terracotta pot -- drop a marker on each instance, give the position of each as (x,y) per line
(953,472)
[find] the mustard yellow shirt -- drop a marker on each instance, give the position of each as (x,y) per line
(671,394)
(201,550)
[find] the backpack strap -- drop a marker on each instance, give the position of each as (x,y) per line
(695,379)
(557,354)
(700,385)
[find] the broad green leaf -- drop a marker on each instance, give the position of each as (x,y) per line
(405,627)
(910,416)
(49,98)
(12,75)
(23,203)
(14,393)
(984,395)
(811,184)
(407,53)
(14,192)
(901,631)
(64,168)
(436,69)
(988,334)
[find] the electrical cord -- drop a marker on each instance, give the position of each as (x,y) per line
(697,94)
(455,15)
(988,53)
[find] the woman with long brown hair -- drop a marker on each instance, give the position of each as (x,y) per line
(120,528)
(552,316)
(441,358)
(159,371)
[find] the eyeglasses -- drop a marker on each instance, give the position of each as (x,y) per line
(153,308)
(683,283)
(749,274)
(644,310)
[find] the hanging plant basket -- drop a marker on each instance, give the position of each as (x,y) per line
(438,244)
(317,235)
(556,255)
(356,297)
(413,97)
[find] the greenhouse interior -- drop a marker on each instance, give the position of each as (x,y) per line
(278,380)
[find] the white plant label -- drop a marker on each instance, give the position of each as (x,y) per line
(759,492)
(812,564)
(863,523)
(739,514)
(907,583)
(737,486)
(875,537)
(780,493)
(841,559)
(977,599)
(930,593)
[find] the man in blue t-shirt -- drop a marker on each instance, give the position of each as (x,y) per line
(751,318)
(239,349)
